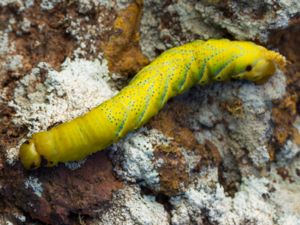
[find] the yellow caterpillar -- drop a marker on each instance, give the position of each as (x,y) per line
(173,72)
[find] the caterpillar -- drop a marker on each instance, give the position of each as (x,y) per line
(170,74)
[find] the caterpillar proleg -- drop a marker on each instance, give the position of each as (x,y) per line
(173,72)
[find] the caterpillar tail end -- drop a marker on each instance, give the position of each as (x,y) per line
(29,157)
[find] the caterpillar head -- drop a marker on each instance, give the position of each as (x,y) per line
(257,63)
(29,157)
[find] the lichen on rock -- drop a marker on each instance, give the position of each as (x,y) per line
(168,24)
(251,204)
(134,157)
(129,206)
(249,124)
(221,154)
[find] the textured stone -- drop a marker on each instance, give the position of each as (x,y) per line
(53,195)
(226,153)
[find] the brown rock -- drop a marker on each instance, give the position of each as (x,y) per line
(283,172)
(61,192)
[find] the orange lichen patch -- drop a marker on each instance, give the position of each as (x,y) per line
(284,114)
(235,108)
(122,48)
(173,173)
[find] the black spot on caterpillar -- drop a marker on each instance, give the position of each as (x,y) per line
(248,68)
(172,73)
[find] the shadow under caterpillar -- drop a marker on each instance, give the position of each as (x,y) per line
(170,74)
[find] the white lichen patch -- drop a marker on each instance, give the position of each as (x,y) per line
(5,45)
(86,35)
(78,87)
(12,154)
(45,96)
(85,6)
(285,189)
(134,156)
(287,197)
(247,23)
(211,202)
(9,61)
(49,4)
(34,184)
(152,31)
(75,165)
(14,62)
(20,217)
(268,200)
(288,152)
(129,207)
(289,220)
(238,121)
(192,19)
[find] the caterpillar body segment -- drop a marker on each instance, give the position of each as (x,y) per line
(170,74)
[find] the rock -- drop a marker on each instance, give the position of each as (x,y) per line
(52,195)
(220,154)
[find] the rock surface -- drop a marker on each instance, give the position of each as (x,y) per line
(221,154)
